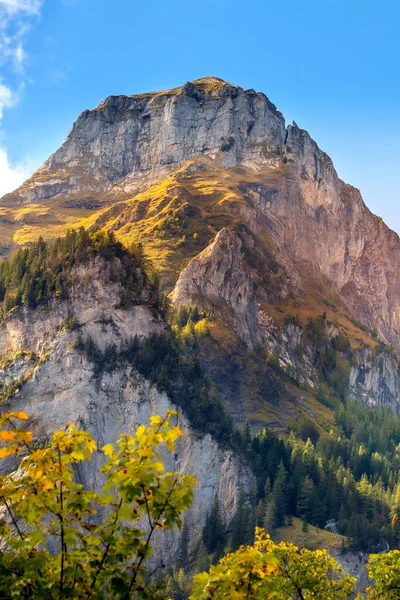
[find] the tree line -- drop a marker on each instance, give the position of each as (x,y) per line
(38,272)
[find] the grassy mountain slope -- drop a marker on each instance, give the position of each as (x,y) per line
(175,220)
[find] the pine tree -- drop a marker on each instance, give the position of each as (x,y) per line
(214,532)
(269,522)
(240,522)
(202,561)
(260,512)
(251,526)
(178,584)
(279,494)
(247,436)
(267,488)
(306,500)
(183,553)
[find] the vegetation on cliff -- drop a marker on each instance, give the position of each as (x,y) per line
(348,473)
(163,360)
(43,270)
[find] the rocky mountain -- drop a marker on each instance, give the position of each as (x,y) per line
(249,226)
(247,165)
(131,141)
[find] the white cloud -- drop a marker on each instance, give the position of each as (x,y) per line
(15,19)
(12,50)
(14,7)
(7,98)
(11,176)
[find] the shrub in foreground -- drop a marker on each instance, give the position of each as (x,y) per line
(60,540)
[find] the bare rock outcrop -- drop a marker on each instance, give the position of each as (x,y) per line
(216,280)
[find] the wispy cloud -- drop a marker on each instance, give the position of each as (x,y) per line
(14,7)
(11,175)
(16,18)
(7,98)
(15,21)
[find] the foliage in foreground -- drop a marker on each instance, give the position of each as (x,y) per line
(384,569)
(268,570)
(63,541)
(59,540)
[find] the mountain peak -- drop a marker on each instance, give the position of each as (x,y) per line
(127,142)
(211,81)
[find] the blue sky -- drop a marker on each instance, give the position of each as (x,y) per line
(331,65)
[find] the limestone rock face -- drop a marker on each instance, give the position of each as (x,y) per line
(374,378)
(128,141)
(216,280)
(374,375)
(61,386)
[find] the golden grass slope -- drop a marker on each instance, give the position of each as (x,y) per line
(314,538)
(175,219)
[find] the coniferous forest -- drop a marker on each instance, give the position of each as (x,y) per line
(41,271)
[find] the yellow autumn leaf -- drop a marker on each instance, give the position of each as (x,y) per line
(156,420)
(77,455)
(259,572)
(25,436)
(91,445)
(6,435)
(23,416)
(6,452)
(47,485)
(158,467)
(36,473)
(140,431)
(146,453)
(170,445)
(108,450)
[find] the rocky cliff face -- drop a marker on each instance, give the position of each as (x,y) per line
(374,373)
(129,141)
(216,280)
(375,379)
(58,385)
